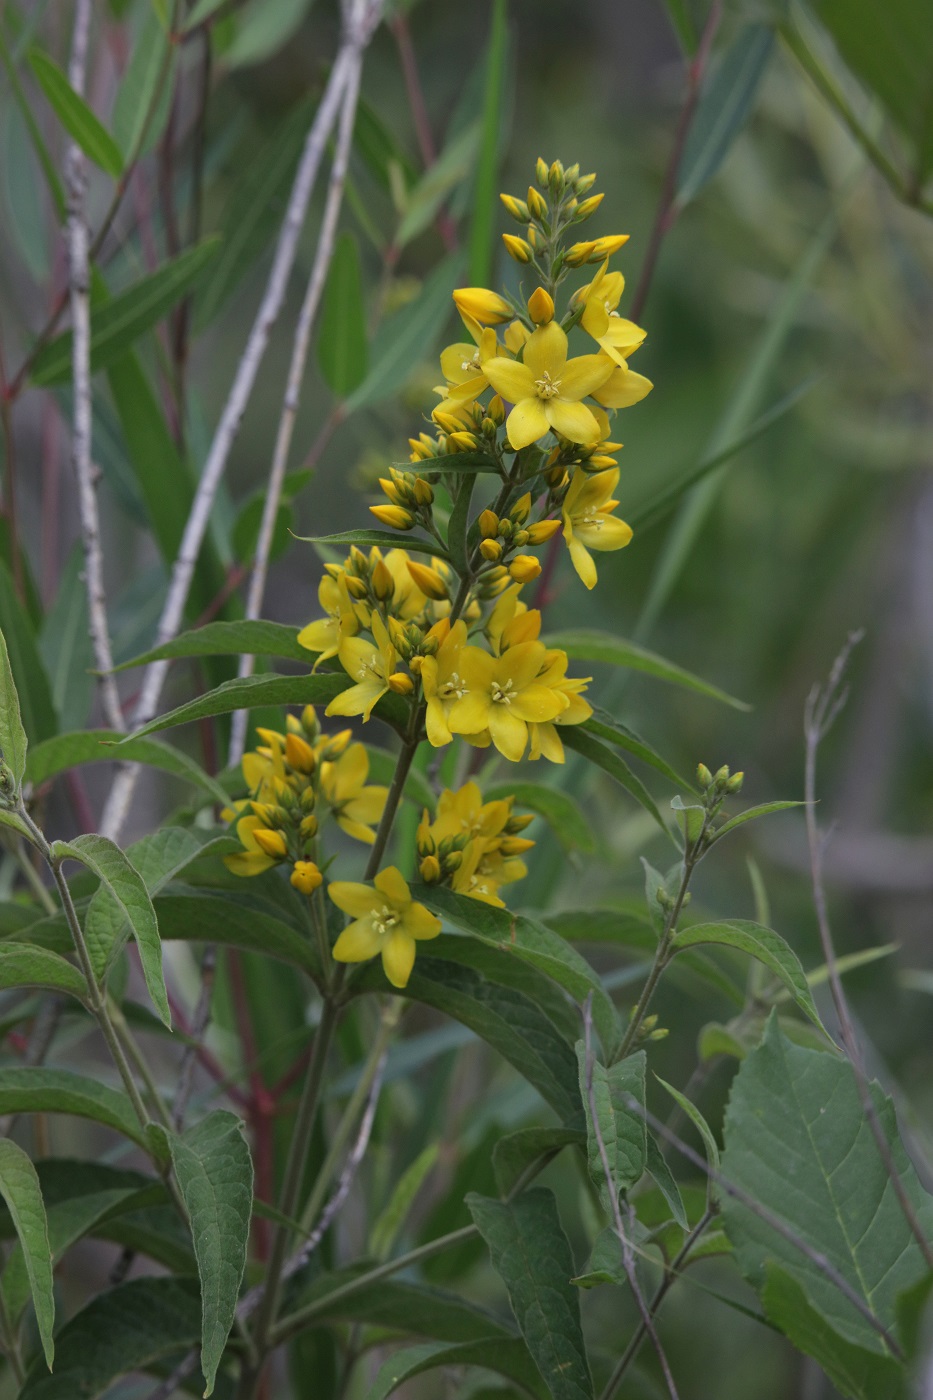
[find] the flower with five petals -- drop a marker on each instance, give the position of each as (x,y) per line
(369,666)
(386,922)
(503,695)
(589,522)
(545,388)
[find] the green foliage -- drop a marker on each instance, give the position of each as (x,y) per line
(76,116)
(610,1118)
(342,348)
(723,108)
(20,1189)
(12,733)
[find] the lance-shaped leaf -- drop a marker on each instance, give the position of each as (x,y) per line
(341,348)
(207,918)
(215,1174)
(621,1128)
(601,756)
(66,751)
(19,1187)
(383,539)
(24,965)
(255,638)
(35,1089)
(12,733)
(531,1254)
(507,1357)
(759,942)
(764,809)
(126,886)
(386,1229)
(35,709)
(723,108)
(797,1140)
(562,813)
(76,116)
(584,645)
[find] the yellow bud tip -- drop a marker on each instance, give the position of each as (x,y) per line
(541,307)
(271,843)
(491,550)
(299,754)
(401,684)
(543,531)
(484,306)
(430,582)
(488,524)
(518,248)
(306,877)
(430,869)
(393,516)
(382,581)
(524,568)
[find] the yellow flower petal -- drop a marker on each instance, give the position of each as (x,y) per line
(358,900)
(358,943)
(583,374)
(546,351)
(509,734)
(398,958)
(391,883)
(509,378)
(527,422)
(421,923)
(571,420)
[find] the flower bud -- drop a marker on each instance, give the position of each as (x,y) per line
(448,421)
(307,799)
(541,172)
(735,782)
(579,253)
(704,776)
(462,442)
(519,538)
(271,843)
(336,745)
(488,524)
(416,662)
(307,827)
(306,877)
(541,306)
(516,207)
(484,306)
(436,636)
(515,845)
(519,822)
(517,248)
(521,509)
(555,179)
(721,776)
(309,722)
(588,207)
(383,584)
(491,550)
(430,582)
(430,870)
(393,516)
(542,531)
(400,684)
(423,492)
(355,586)
(395,493)
(584,183)
(524,567)
(605,247)
(452,861)
(537,204)
(488,428)
(299,754)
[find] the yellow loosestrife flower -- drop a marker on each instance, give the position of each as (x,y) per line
(481,305)
(589,522)
(615,336)
(502,695)
(442,684)
(357,808)
(546,388)
(257,855)
(543,739)
(339,621)
(386,922)
(369,666)
(463,364)
(623,388)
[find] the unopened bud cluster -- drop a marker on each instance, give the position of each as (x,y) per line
(472,847)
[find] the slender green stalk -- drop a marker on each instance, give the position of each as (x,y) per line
(135,1054)
(31,875)
(11,1342)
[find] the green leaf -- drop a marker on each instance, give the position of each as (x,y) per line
(584,645)
(144,96)
(12,734)
(19,1187)
(622,1130)
(610,762)
(761,943)
(119,322)
(686,1106)
(380,149)
(342,350)
(627,927)
(207,918)
(682,24)
(764,809)
(516,1152)
(24,965)
(248,693)
(613,731)
(35,710)
(393,1304)
(68,751)
(34,1089)
(124,883)
(533,943)
(201,12)
(425,198)
(562,813)
(458,525)
(385,1231)
(407,338)
(485,201)
(384,539)
(382,766)
(66,649)
(14,823)
(657,1168)
(263,27)
(228,639)
(853,1370)
(723,108)
(797,1140)
(76,116)
(124,1330)
(531,1254)
(215,1174)
(507,1357)
(24,106)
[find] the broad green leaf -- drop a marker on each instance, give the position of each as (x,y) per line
(386,1229)
(35,711)
(761,943)
(342,350)
(125,317)
(263,27)
(686,1106)
(505,1017)
(723,108)
(853,1370)
(531,1254)
(215,1173)
(202,917)
(516,1152)
(408,337)
(19,1187)
(248,693)
(628,927)
(384,539)
(531,942)
(613,731)
(764,809)
(12,733)
(124,1330)
(584,645)
(451,168)
(507,1357)
(562,813)
(228,639)
(14,823)
(609,761)
(34,1089)
(143,99)
(24,965)
(622,1129)
(76,116)
(797,1140)
(66,648)
(380,149)
(67,751)
(605,1264)
(485,199)
(124,883)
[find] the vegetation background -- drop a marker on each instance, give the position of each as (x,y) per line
(796,270)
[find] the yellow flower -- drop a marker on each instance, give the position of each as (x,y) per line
(546,388)
(306,877)
(386,921)
(440,679)
(370,667)
(484,871)
(502,695)
(463,812)
(617,337)
(511,621)
(589,522)
(623,388)
(356,807)
(340,620)
(463,364)
(486,307)
(543,739)
(257,855)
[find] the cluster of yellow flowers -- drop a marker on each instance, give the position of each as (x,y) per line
(452,636)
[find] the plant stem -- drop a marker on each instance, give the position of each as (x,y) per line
(406,757)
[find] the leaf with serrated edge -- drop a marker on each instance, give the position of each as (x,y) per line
(531,1254)
(622,1129)
(215,1174)
(114,869)
(19,1187)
